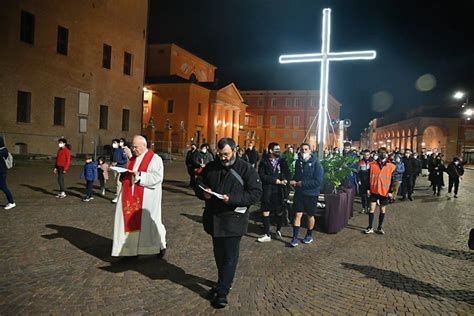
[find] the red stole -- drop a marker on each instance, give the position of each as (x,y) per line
(132,201)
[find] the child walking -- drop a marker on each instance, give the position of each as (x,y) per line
(90,174)
(103,174)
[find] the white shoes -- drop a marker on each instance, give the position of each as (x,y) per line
(115,200)
(264,238)
(9,206)
(61,195)
(278,235)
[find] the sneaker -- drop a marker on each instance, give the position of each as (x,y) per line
(369,230)
(307,240)
(86,199)
(439,193)
(9,206)
(220,302)
(61,195)
(410,198)
(264,238)
(278,235)
(380,231)
(363,211)
(91,197)
(102,193)
(455,196)
(115,200)
(294,242)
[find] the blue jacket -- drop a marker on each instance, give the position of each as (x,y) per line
(398,174)
(311,173)
(119,156)
(90,171)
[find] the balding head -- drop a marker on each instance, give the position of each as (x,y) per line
(139,145)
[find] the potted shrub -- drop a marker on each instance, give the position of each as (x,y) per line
(339,201)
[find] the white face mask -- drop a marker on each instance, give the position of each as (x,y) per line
(115,145)
(456,163)
(61,145)
(204,150)
(306,156)
(121,144)
(376,157)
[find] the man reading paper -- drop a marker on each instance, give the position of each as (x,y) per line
(138,229)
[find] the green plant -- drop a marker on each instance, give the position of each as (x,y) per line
(337,169)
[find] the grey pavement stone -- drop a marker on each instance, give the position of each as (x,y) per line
(55,258)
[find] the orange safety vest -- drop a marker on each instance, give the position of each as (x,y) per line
(380,179)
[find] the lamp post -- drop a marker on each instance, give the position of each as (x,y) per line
(467,114)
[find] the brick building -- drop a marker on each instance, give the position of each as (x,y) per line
(285,117)
(73,69)
(183,103)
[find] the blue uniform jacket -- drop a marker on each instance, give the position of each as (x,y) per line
(311,173)
(90,171)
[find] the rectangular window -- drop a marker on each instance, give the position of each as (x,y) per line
(259,120)
(273,120)
(27,28)
(127,63)
(260,102)
(83,103)
(59,111)
(199,108)
(287,121)
(82,124)
(125,120)
(106,56)
(296,122)
(23,110)
(170,106)
(246,121)
(63,37)
(297,103)
(274,103)
(288,102)
(103,116)
(313,103)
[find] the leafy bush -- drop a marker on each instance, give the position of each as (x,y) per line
(337,169)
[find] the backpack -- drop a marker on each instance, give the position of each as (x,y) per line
(9,161)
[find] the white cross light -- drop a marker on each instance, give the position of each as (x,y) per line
(324,57)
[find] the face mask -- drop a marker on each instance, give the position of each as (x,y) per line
(382,157)
(407,155)
(121,144)
(228,163)
(115,145)
(204,150)
(61,145)
(376,157)
(306,156)
(397,160)
(456,163)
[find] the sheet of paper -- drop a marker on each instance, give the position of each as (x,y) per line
(119,169)
(208,190)
(240,209)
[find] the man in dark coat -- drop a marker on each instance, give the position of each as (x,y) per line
(275,174)
(455,172)
(408,175)
(252,154)
(189,164)
(363,179)
(229,186)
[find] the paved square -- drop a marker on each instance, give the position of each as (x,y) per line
(55,258)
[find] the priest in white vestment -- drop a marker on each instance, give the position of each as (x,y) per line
(138,229)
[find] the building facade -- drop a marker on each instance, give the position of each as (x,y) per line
(286,117)
(71,69)
(184,104)
(425,129)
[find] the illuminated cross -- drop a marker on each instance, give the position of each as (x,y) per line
(324,57)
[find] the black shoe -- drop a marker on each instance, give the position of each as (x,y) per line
(162,253)
(211,295)
(439,194)
(456,196)
(220,302)
(434,193)
(410,198)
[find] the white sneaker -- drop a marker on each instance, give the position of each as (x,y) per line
(448,194)
(9,206)
(278,235)
(61,195)
(264,238)
(103,192)
(115,200)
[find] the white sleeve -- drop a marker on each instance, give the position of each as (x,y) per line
(154,174)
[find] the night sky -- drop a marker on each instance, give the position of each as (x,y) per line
(244,39)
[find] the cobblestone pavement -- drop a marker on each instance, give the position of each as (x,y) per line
(55,258)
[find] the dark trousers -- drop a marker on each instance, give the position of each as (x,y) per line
(89,186)
(407,185)
(226,254)
(60,171)
(436,187)
(4,188)
(453,182)
(101,181)
(414,183)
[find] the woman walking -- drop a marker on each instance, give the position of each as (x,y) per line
(3,175)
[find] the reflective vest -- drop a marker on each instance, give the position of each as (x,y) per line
(380,179)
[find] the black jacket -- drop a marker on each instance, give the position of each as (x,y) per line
(454,171)
(269,176)
(220,219)
(253,156)
(3,156)
(410,166)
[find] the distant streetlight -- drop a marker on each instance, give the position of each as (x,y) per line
(460,95)
(468,112)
